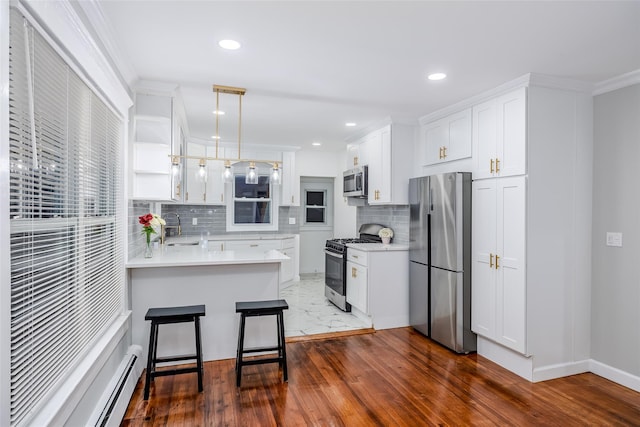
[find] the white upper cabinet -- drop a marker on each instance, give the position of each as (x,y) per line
(290,191)
(447,139)
(500,135)
(205,188)
(389,152)
(157,134)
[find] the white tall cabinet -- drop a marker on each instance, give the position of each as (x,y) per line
(531,164)
(498,266)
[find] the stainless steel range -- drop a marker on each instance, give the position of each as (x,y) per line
(335,251)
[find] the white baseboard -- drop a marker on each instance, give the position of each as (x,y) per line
(560,370)
(508,359)
(614,374)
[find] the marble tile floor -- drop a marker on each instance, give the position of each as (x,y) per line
(311,313)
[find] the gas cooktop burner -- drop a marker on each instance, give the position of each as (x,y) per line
(350,240)
(339,245)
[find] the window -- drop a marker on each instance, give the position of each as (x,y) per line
(253,206)
(315,207)
(66,251)
(252,202)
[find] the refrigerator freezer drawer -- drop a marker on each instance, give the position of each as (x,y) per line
(450,311)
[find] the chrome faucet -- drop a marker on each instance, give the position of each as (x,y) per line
(179,226)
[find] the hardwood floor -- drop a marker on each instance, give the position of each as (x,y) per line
(393,377)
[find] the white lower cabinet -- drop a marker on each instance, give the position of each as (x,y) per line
(253,245)
(357,283)
(287,270)
(378,286)
(498,309)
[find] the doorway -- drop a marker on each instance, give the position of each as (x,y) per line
(316,222)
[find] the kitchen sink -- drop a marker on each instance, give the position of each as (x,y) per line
(182,244)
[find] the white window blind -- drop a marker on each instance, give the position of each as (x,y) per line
(65,189)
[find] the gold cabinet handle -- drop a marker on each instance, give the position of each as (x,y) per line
(292,199)
(186,196)
(491,167)
(490,260)
(222,197)
(355,161)
(355,256)
(497,165)
(497,259)
(440,153)
(253,246)
(204,197)
(354,272)
(444,152)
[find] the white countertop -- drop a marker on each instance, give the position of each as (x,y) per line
(377,247)
(229,237)
(183,256)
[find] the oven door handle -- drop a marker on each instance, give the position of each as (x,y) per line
(333,254)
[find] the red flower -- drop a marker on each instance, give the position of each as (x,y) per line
(145,220)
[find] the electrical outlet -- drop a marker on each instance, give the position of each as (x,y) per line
(292,221)
(614,239)
(194,221)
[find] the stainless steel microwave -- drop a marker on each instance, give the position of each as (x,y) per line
(355,182)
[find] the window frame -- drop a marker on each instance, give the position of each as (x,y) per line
(274,206)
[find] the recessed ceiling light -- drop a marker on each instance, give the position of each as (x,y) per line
(218,112)
(229,44)
(350,124)
(437,76)
(316,144)
(215,137)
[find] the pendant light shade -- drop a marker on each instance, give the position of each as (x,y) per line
(201,174)
(251,176)
(175,166)
(227,175)
(276,175)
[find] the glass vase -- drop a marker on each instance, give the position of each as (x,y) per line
(148,251)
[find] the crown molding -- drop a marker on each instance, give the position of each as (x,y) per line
(618,82)
(105,33)
(526,80)
(61,25)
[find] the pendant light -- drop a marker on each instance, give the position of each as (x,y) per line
(251,176)
(276,176)
(201,174)
(227,175)
(175,166)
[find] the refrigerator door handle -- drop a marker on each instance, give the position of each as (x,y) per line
(430,199)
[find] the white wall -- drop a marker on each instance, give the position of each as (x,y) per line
(615,331)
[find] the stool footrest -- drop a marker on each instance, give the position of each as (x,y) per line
(263,360)
(257,350)
(165,372)
(175,358)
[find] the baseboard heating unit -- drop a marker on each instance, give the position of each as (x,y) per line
(116,399)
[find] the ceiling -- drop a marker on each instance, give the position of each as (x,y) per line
(311,66)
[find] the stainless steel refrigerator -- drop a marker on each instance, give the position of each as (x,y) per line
(440,259)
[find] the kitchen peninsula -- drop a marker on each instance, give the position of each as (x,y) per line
(191,274)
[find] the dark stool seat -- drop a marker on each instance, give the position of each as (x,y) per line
(167,315)
(261,308)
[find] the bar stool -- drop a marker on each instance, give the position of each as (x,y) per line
(261,308)
(164,316)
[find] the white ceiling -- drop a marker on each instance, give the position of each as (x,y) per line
(311,66)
